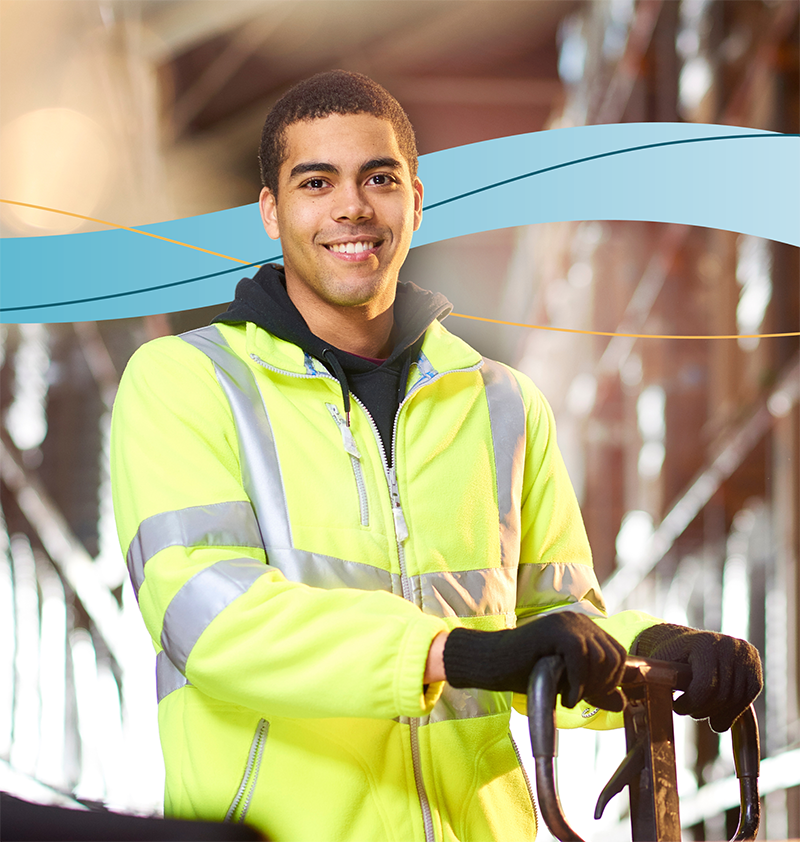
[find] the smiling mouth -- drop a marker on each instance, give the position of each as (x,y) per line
(352,248)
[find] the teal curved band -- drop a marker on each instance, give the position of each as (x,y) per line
(725,177)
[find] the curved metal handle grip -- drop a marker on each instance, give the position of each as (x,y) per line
(747,758)
(542,690)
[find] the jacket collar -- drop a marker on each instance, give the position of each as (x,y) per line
(278,335)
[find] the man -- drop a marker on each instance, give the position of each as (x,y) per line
(336,514)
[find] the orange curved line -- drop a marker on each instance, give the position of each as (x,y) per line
(630,335)
(123,228)
(458,315)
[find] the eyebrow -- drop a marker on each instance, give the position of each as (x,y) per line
(324,166)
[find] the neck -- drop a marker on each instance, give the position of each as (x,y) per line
(365,330)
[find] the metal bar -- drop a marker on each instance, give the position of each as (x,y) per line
(655,813)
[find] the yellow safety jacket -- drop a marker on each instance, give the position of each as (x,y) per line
(292,582)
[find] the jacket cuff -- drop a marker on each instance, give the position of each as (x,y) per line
(411,697)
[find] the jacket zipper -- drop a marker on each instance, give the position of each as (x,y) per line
(355,460)
(527,779)
(401,534)
(250,777)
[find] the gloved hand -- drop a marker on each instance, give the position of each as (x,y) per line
(503,660)
(726,671)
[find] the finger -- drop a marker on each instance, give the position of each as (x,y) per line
(573,681)
(613,701)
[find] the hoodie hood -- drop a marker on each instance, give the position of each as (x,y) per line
(264,301)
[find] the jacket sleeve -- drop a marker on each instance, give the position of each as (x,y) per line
(556,570)
(229,621)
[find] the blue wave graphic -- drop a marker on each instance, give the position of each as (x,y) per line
(705,175)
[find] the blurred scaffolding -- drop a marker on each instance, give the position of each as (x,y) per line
(684,452)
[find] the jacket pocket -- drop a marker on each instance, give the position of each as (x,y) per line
(241,802)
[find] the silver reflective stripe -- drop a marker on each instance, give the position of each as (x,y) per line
(324,571)
(572,586)
(507,417)
(201,600)
(467,704)
(468,593)
(216,525)
(168,676)
(261,470)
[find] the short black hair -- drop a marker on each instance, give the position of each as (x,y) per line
(331,92)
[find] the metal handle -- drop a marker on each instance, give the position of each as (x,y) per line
(542,691)
(747,759)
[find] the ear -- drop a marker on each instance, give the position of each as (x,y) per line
(418,191)
(267,204)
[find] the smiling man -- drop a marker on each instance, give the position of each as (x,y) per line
(351,536)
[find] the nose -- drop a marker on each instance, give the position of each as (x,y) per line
(351,203)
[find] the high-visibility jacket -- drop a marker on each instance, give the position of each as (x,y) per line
(292,582)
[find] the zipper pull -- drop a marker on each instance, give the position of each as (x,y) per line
(347,435)
(400,527)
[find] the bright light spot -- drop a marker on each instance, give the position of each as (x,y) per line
(572,56)
(695,80)
(57,158)
(780,404)
(84,666)
(26,742)
(634,536)
(26,419)
(687,43)
(52,678)
(630,372)
(651,459)
(581,395)
(650,408)
(735,598)
(753,273)
(580,275)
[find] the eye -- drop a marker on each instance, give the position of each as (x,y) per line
(382,179)
(315,183)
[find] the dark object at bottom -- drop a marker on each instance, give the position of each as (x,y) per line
(22,821)
(649,766)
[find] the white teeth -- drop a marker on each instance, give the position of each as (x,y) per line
(351,248)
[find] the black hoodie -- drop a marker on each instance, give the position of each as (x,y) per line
(264,301)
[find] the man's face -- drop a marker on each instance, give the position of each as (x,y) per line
(347,206)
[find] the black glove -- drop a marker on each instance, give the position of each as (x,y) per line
(726,671)
(503,660)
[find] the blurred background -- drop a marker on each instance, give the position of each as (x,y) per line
(684,453)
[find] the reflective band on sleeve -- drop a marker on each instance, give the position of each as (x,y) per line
(324,571)
(217,525)
(467,593)
(261,470)
(201,600)
(168,676)
(507,417)
(559,584)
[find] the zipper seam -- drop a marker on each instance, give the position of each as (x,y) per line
(358,473)
(362,490)
(250,777)
(527,779)
(259,757)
